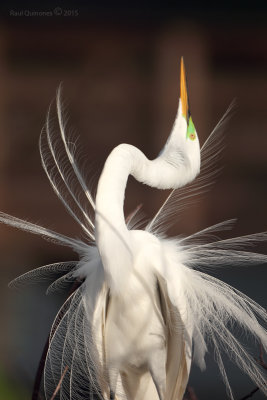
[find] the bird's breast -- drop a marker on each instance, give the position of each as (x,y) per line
(134,326)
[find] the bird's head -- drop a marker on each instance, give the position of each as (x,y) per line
(182,147)
(189,130)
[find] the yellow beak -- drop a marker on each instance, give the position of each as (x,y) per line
(183,91)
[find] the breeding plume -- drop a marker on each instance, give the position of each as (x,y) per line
(143,309)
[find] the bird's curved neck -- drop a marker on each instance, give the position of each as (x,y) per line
(112,235)
(170,170)
(111,189)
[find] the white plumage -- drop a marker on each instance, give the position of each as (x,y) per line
(145,308)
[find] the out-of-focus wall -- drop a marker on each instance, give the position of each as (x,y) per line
(121,84)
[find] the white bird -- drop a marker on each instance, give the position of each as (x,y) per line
(144,309)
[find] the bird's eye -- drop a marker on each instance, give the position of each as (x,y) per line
(191,131)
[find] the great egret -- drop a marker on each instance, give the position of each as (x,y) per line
(144,308)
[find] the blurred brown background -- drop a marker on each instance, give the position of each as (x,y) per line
(120,71)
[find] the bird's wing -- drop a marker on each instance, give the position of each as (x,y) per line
(58,161)
(77,342)
(179,345)
(75,350)
(183,197)
(213,312)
